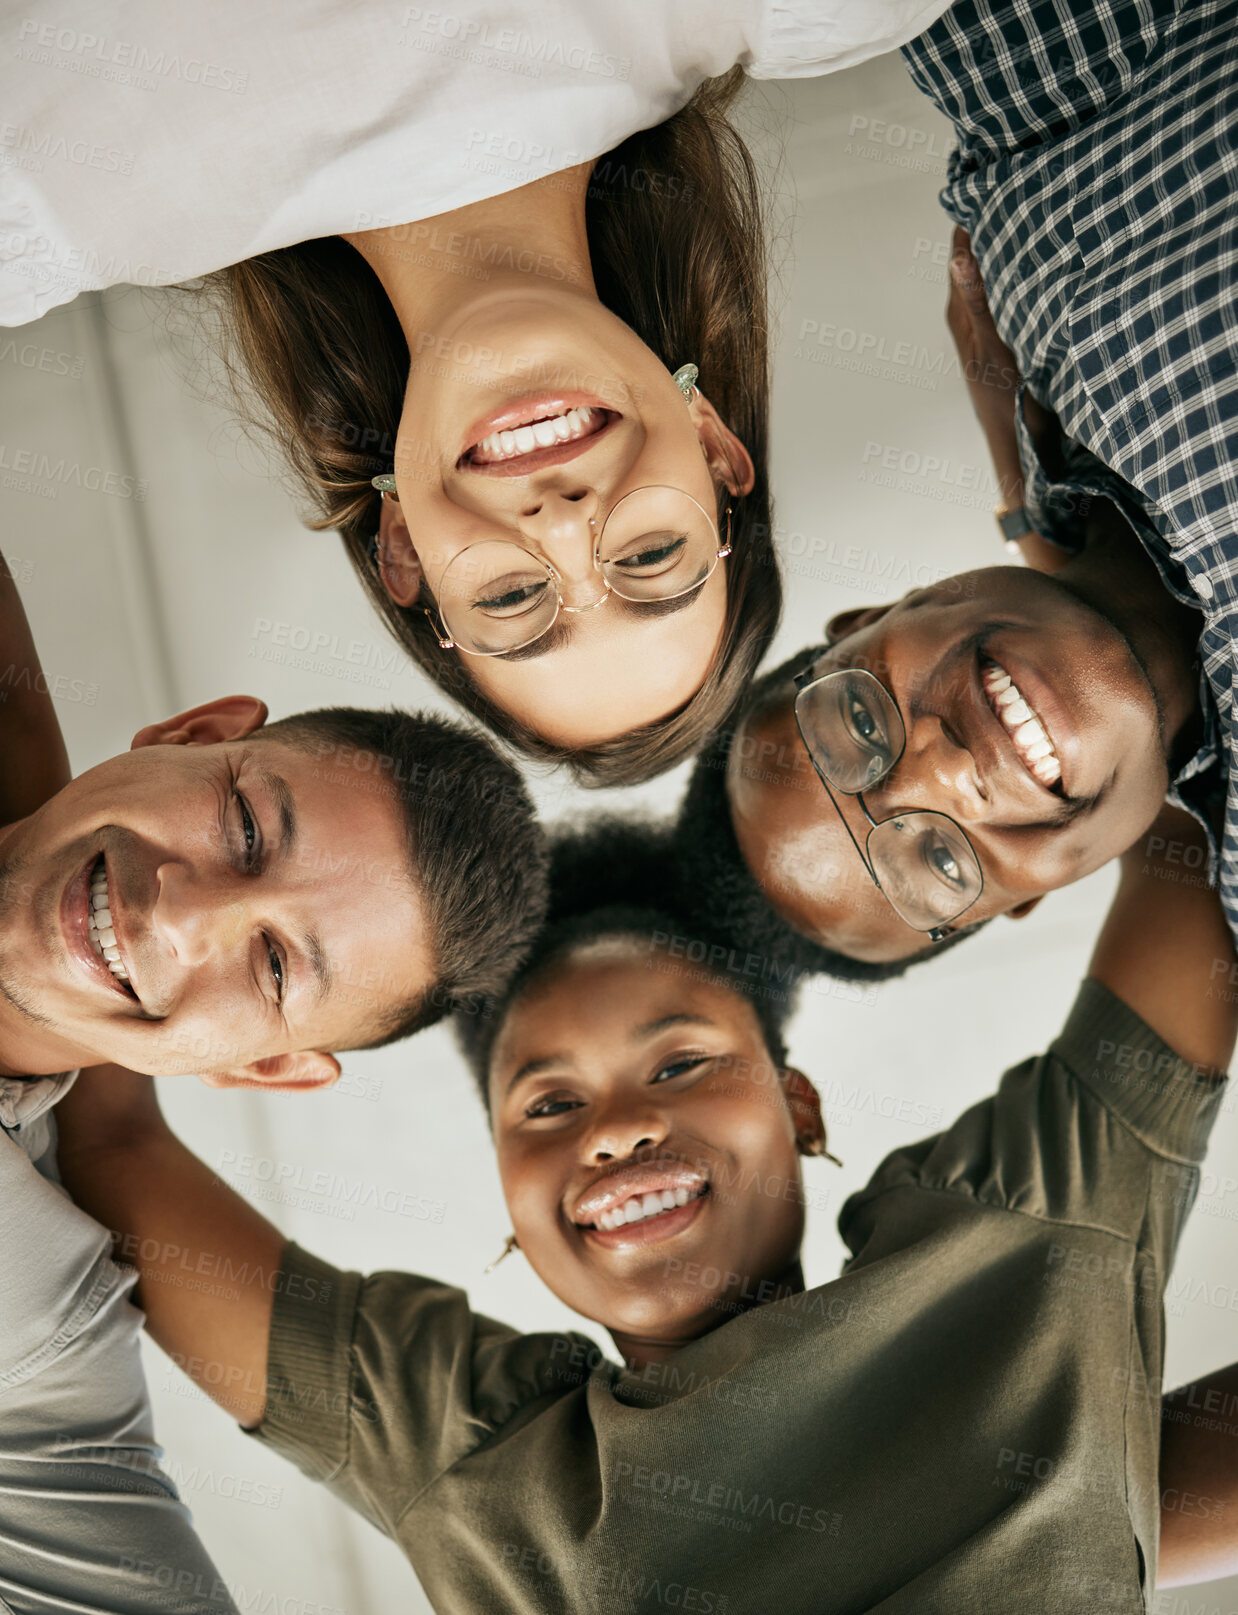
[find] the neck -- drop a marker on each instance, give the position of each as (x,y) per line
(532,235)
(639,1350)
(29,1047)
(1116,575)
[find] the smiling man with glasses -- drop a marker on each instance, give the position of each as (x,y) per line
(854,734)
(948,758)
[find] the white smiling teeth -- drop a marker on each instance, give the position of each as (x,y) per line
(99,924)
(543,434)
(643,1206)
(1028,735)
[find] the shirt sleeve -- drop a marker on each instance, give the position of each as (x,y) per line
(377,1385)
(1106,1128)
(1057,510)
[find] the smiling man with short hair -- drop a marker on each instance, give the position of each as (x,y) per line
(233,898)
(241,899)
(997,735)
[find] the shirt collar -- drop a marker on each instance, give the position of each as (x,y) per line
(23,1099)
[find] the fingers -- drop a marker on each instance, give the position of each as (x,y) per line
(965,276)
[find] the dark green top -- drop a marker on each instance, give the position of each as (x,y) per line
(966,1420)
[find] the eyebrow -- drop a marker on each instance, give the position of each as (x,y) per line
(562,633)
(319,963)
(280,792)
(534,1068)
(665,1022)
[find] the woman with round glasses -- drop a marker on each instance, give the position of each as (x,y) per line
(482,253)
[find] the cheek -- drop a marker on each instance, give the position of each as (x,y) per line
(532,1189)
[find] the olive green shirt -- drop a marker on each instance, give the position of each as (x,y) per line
(967,1420)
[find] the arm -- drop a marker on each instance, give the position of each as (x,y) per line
(171,1217)
(992,377)
(1165,948)
(36,764)
(1199,1482)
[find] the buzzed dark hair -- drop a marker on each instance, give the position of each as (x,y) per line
(476,855)
(726,896)
(615,877)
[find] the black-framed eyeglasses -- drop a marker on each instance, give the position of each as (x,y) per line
(921,862)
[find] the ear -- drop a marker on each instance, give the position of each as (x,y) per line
(805,1104)
(1021,910)
(849,622)
(284,1073)
(399,565)
(728,460)
(232,717)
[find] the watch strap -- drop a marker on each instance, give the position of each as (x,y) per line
(1013,523)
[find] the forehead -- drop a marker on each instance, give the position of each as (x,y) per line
(603,991)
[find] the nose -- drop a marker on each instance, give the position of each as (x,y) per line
(936,773)
(618,1136)
(197,913)
(560,522)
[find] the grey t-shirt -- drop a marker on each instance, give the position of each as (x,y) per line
(89,1523)
(966,1420)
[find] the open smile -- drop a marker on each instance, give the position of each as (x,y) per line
(640,1205)
(1033,745)
(89,930)
(535,435)
(1021,724)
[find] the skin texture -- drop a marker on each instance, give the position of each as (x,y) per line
(211,909)
(612,1091)
(1080,673)
(533,329)
(1161,948)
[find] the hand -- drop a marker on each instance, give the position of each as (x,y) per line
(988,365)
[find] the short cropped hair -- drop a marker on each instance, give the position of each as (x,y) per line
(726,896)
(615,877)
(476,854)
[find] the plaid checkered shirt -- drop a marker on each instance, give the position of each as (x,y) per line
(1097,172)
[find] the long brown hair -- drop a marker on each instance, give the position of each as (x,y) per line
(677,247)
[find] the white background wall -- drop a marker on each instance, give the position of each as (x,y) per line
(157,603)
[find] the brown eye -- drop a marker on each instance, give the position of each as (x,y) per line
(679,1065)
(550,1106)
(277,972)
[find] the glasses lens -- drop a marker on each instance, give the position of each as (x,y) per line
(496,597)
(926,867)
(657,544)
(851,727)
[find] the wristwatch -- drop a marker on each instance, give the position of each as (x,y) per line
(1014,525)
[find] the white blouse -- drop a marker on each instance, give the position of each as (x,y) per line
(152,143)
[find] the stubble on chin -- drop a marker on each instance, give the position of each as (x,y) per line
(15,893)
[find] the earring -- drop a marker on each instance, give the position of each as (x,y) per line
(509,1245)
(383,483)
(685,379)
(816,1147)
